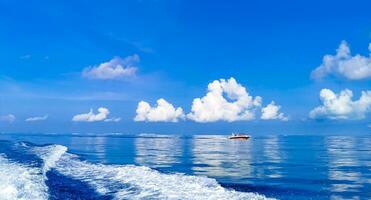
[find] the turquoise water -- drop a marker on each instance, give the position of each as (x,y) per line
(149,166)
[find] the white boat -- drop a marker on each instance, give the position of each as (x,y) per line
(239,137)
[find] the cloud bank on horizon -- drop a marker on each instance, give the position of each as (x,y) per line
(239,105)
(343,64)
(225,100)
(341,106)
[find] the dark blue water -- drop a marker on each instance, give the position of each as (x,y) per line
(184,167)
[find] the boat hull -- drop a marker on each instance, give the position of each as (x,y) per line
(240,137)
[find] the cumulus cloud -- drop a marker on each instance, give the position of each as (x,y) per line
(341,106)
(8,118)
(38,118)
(343,64)
(91,116)
(226,100)
(162,112)
(271,111)
(116,68)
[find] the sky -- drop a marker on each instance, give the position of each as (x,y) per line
(187,67)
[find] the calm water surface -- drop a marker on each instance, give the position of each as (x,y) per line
(283,167)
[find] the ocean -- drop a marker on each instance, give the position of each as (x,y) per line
(154,166)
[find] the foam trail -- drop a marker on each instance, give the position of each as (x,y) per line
(50,155)
(20,182)
(135,182)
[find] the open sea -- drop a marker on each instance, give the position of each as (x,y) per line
(151,166)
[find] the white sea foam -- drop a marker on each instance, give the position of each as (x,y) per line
(127,181)
(21,182)
(135,182)
(26,182)
(50,155)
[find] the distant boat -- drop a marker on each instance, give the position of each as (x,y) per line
(239,137)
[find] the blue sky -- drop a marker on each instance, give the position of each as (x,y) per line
(270,48)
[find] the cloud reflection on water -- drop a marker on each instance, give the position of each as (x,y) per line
(218,156)
(158,151)
(344,159)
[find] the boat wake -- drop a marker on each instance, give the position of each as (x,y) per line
(19,181)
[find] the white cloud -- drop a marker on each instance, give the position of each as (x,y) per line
(344,64)
(8,118)
(341,106)
(271,111)
(116,68)
(113,119)
(91,116)
(38,118)
(237,105)
(162,112)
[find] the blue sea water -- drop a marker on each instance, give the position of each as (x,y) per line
(148,166)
